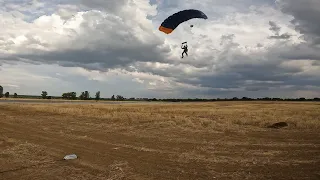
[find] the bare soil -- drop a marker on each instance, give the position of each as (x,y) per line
(221,140)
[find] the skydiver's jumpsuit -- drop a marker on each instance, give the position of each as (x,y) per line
(185,50)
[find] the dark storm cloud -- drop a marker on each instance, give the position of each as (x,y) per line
(274,28)
(257,88)
(262,79)
(303,51)
(103,58)
(236,77)
(306,15)
(282,36)
(264,70)
(263,76)
(107,42)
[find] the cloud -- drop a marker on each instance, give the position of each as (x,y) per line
(244,46)
(306,17)
(274,27)
(90,39)
(282,36)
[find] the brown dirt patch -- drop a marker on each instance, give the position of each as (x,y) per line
(221,140)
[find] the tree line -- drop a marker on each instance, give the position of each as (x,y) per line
(85,95)
(7,94)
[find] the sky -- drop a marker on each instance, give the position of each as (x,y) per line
(246,48)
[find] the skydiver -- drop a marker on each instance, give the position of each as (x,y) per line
(185,50)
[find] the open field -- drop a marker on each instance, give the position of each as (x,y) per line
(218,140)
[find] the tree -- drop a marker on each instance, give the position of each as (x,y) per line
(69,95)
(73,95)
(86,95)
(1,91)
(82,96)
(302,99)
(245,98)
(98,95)
(44,94)
(65,95)
(112,98)
(120,98)
(7,94)
(15,95)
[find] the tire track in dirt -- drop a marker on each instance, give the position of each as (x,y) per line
(129,151)
(150,160)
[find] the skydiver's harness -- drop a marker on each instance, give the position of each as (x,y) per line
(184,46)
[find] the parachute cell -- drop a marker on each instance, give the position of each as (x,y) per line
(173,21)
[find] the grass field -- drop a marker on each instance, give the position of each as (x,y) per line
(218,140)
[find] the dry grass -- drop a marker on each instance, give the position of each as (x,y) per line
(196,116)
(226,140)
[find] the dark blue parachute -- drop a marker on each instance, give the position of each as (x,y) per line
(173,21)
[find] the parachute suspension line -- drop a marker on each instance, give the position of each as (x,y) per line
(192,30)
(192,38)
(173,21)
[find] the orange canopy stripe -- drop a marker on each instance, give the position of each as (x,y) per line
(165,30)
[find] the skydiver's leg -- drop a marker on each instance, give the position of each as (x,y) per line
(184,53)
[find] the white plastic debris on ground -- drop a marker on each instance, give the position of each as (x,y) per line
(70,156)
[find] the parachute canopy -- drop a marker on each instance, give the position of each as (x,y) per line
(173,21)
